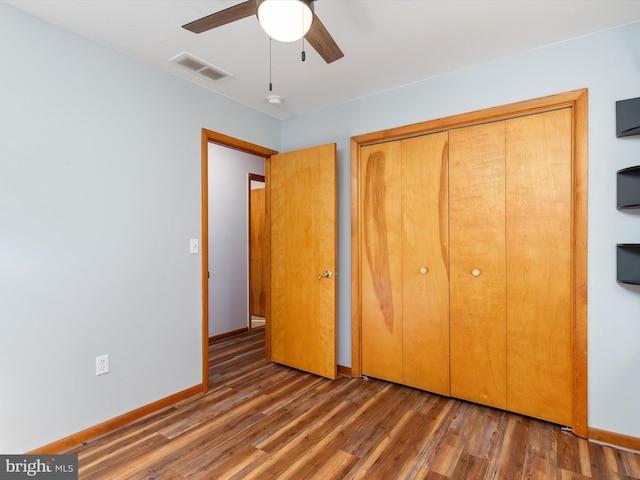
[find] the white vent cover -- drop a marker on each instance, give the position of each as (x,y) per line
(188,61)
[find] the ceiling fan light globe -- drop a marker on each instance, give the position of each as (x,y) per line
(285,20)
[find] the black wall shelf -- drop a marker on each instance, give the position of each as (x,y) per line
(628,254)
(628,117)
(629,263)
(629,188)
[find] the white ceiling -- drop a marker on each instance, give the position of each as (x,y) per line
(387,43)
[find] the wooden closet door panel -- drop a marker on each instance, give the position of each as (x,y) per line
(425,263)
(477,242)
(539,266)
(382,262)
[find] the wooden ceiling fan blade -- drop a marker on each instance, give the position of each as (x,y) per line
(228,15)
(322,42)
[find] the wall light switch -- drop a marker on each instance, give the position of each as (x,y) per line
(193,246)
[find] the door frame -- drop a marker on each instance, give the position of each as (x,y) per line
(209,136)
(577,100)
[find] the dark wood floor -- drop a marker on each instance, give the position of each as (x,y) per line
(266,421)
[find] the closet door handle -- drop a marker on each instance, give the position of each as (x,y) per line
(424,270)
(475,272)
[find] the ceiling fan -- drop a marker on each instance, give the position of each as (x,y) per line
(317,35)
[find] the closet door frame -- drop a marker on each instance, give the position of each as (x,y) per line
(577,100)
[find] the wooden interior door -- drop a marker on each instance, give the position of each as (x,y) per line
(477,256)
(257,214)
(382,261)
(539,265)
(425,263)
(302,228)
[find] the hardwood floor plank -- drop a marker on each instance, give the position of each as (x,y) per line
(304,465)
(289,394)
(373,422)
(266,421)
(192,459)
(483,435)
(336,467)
(611,461)
(235,463)
(295,446)
(408,440)
(301,424)
(191,416)
(437,417)
(431,475)
(266,376)
(541,459)
(97,449)
(447,443)
(568,453)
(596,460)
(567,475)
(469,466)
(630,464)
(585,464)
(103,465)
(518,448)
(291,417)
(508,459)
(362,472)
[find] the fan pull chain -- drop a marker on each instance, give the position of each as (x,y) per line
(270,84)
(303,55)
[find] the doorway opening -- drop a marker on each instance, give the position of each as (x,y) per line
(209,137)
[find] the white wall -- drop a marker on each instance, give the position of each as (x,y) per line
(99,195)
(229,237)
(608,64)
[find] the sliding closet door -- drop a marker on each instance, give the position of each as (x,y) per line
(477,243)
(539,265)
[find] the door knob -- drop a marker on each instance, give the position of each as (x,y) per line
(475,272)
(325,274)
(424,270)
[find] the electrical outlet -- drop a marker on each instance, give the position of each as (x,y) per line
(102,364)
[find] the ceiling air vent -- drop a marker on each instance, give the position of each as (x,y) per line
(188,61)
